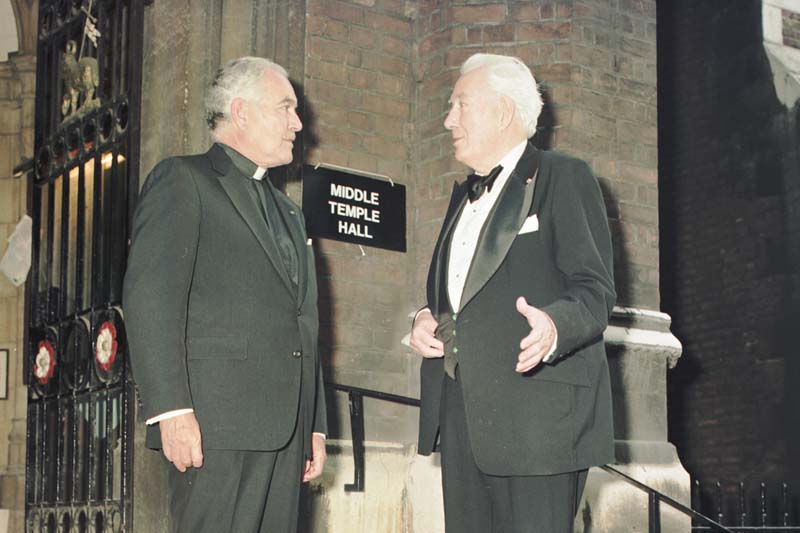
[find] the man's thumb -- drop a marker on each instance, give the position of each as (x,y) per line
(522,305)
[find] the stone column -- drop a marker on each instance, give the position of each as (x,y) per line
(17,89)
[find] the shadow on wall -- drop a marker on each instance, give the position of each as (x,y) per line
(545,128)
(623,417)
(730,239)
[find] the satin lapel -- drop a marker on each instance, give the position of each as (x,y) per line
(236,188)
(457,200)
(502,225)
(292,218)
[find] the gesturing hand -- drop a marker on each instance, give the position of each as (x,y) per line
(423,335)
(315,465)
(181,441)
(537,344)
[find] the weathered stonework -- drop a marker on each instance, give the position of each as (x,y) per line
(16,136)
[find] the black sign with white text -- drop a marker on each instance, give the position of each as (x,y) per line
(348,207)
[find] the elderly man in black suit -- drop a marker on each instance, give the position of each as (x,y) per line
(514,378)
(220,303)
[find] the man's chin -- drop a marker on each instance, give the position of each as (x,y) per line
(461,157)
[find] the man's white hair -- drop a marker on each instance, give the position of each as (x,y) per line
(509,76)
(236,78)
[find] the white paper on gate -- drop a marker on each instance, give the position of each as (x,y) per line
(16,262)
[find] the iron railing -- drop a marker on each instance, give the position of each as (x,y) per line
(654,499)
(700,522)
(740,519)
(356,399)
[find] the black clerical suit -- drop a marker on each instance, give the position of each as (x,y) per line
(223,320)
(556,418)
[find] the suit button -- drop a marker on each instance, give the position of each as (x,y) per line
(455,350)
(455,316)
(297,353)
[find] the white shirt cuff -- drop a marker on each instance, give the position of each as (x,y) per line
(549,356)
(420,312)
(177,412)
(168,414)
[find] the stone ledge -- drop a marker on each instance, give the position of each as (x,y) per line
(643,330)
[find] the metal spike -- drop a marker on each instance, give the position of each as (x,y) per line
(785,503)
(742,512)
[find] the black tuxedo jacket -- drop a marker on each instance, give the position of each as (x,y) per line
(213,321)
(556,418)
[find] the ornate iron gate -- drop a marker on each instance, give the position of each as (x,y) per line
(81,192)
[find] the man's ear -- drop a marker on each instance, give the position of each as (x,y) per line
(507,111)
(239,112)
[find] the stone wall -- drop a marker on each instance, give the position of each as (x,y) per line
(17,89)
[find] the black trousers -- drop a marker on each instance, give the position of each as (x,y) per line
(475,502)
(239,491)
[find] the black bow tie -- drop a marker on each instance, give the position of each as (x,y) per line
(477,184)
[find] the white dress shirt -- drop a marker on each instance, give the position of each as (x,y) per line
(468,230)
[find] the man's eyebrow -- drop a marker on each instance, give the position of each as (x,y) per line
(459,96)
(288,100)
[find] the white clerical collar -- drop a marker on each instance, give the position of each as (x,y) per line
(259,173)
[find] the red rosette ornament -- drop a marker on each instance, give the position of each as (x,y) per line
(45,363)
(106,346)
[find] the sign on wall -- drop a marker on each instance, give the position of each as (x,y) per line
(348,207)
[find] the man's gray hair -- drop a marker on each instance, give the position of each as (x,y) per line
(236,78)
(510,77)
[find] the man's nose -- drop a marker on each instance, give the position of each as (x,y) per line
(450,121)
(295,124)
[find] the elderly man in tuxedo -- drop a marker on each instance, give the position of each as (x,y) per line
(514,378)
(220,302)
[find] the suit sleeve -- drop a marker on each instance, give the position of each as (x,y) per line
(320,424)
(583,254)
(320,413)
(161,262)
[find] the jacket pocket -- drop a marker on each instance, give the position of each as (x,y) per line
(570,370)
(229,347)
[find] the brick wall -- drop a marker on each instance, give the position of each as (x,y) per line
(605,111)
(17,87)
(377,80)
(359,91)
(730,229)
